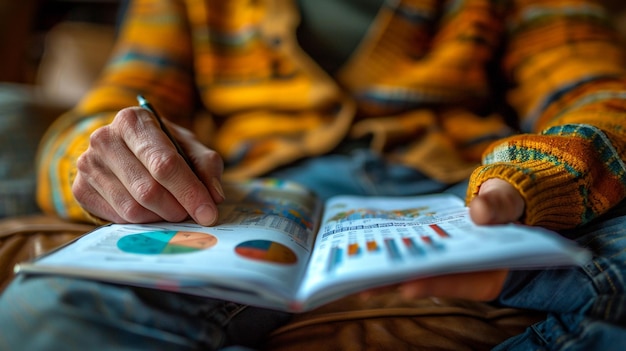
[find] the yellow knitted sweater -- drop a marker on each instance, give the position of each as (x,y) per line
(530,91)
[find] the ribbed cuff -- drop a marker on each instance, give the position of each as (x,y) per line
(552,199)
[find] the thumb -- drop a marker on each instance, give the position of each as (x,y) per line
(497,202)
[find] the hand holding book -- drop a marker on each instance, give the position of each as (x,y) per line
(476,286)
(497,203)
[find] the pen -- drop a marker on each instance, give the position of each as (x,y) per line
(143,102)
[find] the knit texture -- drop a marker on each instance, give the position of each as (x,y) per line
(421,83)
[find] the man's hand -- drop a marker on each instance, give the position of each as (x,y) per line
(497,202)
(132,173)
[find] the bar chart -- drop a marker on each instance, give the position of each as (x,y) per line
(394,245)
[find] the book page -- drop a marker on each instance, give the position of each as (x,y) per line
(262,241)
(365,242)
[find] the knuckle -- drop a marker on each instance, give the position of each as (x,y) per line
(91,202)
(163,164)
(146,191)
(126,118)
(100,137)
(127,122)
(212,159)
(131,211)
(87,163)
(83,164)
(79,191)
(188,195)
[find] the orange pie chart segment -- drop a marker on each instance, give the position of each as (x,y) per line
(266,251)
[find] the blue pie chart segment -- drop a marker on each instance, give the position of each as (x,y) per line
(166,242)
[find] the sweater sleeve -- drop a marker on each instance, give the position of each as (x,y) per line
(568,86)
(153,57)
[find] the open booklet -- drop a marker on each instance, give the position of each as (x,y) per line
(277,246)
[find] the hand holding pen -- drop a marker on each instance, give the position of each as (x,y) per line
(141,168)
(145,104)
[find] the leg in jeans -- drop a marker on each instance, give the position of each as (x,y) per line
(56,313)
(587,305)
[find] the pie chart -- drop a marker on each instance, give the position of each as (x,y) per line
(266,251)
(166,242)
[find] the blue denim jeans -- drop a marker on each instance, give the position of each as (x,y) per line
(585,306)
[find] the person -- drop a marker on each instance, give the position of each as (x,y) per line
(517,105)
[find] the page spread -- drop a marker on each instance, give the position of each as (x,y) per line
(277,246)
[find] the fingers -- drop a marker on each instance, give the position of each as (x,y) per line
(132,172)
(168,168)
(209,164)
(92,200)
(123,183)
(476,286)
(498,202)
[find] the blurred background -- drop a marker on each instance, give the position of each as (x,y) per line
(26,24)
(50,53)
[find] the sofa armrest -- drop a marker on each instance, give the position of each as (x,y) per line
(24,238)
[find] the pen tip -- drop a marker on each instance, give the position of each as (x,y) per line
(141,99)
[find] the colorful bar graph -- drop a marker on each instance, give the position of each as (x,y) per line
(372,246)
(392,249)
(432,243)
(334,259)
(354,249)
(412,247)
(442,233)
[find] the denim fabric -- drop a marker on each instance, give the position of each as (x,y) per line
(361,172)
(586,306)
(56,313)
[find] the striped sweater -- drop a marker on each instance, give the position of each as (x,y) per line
(530,91)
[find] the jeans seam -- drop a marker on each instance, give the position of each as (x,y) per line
(538,333)
(230,314)
(606,275)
